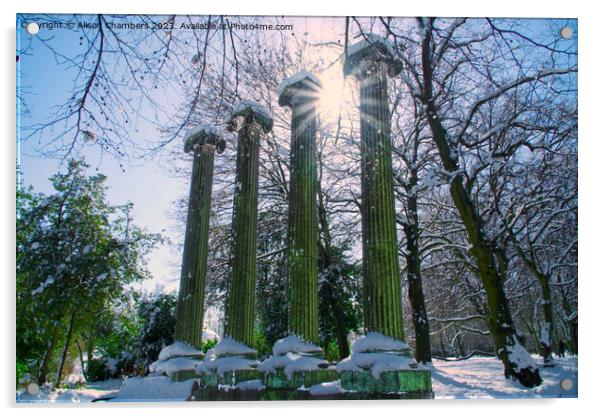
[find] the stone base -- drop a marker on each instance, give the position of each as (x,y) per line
(396,382)
(279,380)
(267,394)
(183,375)
(229,378)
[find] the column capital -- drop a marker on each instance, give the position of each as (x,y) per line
(202,135)
(371,53)
(247,112)
(303,84)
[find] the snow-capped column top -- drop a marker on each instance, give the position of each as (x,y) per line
(372,48)
(248,112)
(303,83)
(203,134)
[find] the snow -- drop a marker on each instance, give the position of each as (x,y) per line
(229,346)
(253,106)
(483,378)
(293,343)
(290,363)
(224,364)
(377,362)
(160,388)
(331,387)
(475,378)
(370,40)
(520,356)
(87,393)
(375,342)
(298,77)
(174,365)
(545,334)
(178,349)
(207,129)
(250,385)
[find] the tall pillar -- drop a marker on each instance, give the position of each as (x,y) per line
(371,62)
(250,120)
(300,93)
(202,142)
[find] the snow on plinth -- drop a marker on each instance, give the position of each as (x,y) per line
(229,346)
(223,365)
(173,365)
(378,353)
(154,389)
(293,354)
(298,77)
(228,355)
(178,349)
(178,356)
(293,343)
(376,342)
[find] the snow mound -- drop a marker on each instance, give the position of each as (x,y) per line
(178,349)
(292,362)
(299,76)
(293,343)
(154,389)
(377,342)
(376,362)
(229,346)
(174,365)
(224,364)
(331,387)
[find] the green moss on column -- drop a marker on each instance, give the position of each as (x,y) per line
(250,121)
(202,143)
(371,64)
(303,236)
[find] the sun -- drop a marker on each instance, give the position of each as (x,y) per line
(332,95)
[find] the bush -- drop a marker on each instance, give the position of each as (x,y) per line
(97,369)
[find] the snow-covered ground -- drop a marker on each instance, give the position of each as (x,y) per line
(483,378)
(89,392)
(475,378)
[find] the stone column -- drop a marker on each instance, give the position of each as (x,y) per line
(250,120)
(300,93)
(370,62)
(202,142)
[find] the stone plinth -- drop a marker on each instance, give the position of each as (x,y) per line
(397,382)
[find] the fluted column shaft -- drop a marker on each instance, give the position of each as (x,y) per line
(240,309)
(303,227)
(190,309)
(382,286)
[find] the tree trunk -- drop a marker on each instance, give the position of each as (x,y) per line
(59,372)
(46,360)
(415,293)
(500,321)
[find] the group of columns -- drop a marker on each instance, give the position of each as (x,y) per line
(371,63)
